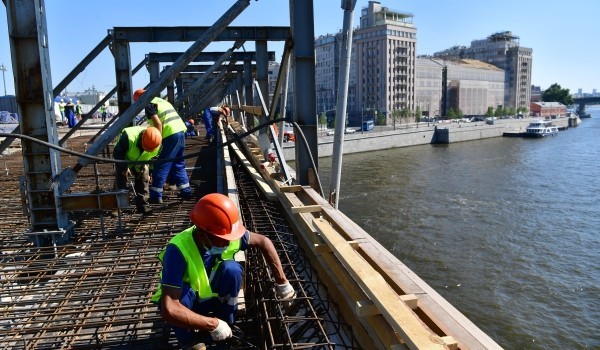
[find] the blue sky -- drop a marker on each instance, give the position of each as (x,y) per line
(560,33)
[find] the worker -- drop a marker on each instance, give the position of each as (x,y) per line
(191,128)
(163,116)
(210,118)
(136,143)
(103,113)
(61,108)
(70,113)
(78,110)
(200,281)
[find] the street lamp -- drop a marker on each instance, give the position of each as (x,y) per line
(362,119)
(3,69)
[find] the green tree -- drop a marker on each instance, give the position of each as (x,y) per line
(510,111)
(490,112)
(499,112)
(395,116)
(405,113)
(451,113)
(322,119)
(380,118)
(418,115)
(555,93)
(459,114)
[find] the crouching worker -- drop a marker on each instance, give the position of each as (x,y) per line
(136,143)
(200,281)
(191,128)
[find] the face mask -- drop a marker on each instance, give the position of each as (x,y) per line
(217,250)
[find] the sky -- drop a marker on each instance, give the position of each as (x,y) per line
(560,33)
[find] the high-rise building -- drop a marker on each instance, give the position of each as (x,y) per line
(385,52)
(327,57)
(503,51)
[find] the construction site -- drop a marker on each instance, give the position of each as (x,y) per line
(73,276)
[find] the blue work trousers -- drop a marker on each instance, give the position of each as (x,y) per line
(226,282)
(172,146)
(207,119)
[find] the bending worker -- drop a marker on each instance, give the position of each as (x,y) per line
(188,298)
(163,116)
(210,117)
(136,143)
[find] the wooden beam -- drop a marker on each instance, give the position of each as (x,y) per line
(306,209)
(400,317)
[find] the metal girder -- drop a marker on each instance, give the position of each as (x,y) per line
(201,68)
(68,176)
(206,56)
(166,34)
(84,201)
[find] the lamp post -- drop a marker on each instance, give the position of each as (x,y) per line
(3,69)
(362,119)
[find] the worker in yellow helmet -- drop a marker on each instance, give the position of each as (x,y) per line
(136,143)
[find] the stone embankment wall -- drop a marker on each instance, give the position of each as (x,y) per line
(413,135)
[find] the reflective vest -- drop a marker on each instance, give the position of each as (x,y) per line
(135,151)
(78,109)
(171,121)
(195,273)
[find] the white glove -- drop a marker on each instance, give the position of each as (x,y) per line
(285,291)
(222,332)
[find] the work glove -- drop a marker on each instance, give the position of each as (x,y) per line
(285,291)
(222,332)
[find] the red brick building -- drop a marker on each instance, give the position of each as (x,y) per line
(548,109)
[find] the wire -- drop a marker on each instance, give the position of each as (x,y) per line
(312,159)
(102,160)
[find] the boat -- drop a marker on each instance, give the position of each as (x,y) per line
(541,128)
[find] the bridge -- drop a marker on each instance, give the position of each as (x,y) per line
(581,102)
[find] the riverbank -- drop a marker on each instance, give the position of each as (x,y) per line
(384,137)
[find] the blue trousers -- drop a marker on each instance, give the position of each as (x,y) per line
(207,120)
(226,282)
(172,146)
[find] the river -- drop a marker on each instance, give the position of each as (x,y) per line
(506,229)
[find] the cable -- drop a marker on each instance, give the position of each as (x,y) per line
(101,160)
(312,159)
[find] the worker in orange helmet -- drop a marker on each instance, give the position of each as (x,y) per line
(136,143)
(161,114)
(200,280)
(191,129)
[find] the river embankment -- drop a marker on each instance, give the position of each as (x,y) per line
(406,135)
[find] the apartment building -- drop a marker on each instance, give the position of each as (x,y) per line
(385,53)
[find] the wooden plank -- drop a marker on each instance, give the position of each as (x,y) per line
(291,189)
(306,209)
(401,318)
(258,179)
(368,308)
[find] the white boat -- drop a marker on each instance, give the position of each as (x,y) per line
(541,128)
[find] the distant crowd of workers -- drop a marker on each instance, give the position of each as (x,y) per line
(71,113)
(198,288)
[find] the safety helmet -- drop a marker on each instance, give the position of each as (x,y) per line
(137,94)
(191,121)
(151,139)
(218,215)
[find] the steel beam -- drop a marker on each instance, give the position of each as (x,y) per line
(33,86)
(201,68)
(206,56)
(167,34)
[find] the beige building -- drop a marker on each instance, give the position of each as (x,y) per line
(502,50)
(385,52)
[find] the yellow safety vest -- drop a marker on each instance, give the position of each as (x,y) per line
(195,273)
(171,121)
(134,152)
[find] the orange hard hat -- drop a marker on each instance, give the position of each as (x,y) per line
(218,215)
(151,139)
(191,121)
(137,94)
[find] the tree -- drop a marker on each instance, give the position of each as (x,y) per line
(510,111)
(490,112)
(380,118)
(555,93)
(499,112)
(451,113)
(322,119)
(405,113)
(395,116)
(459,114)
(418,115)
